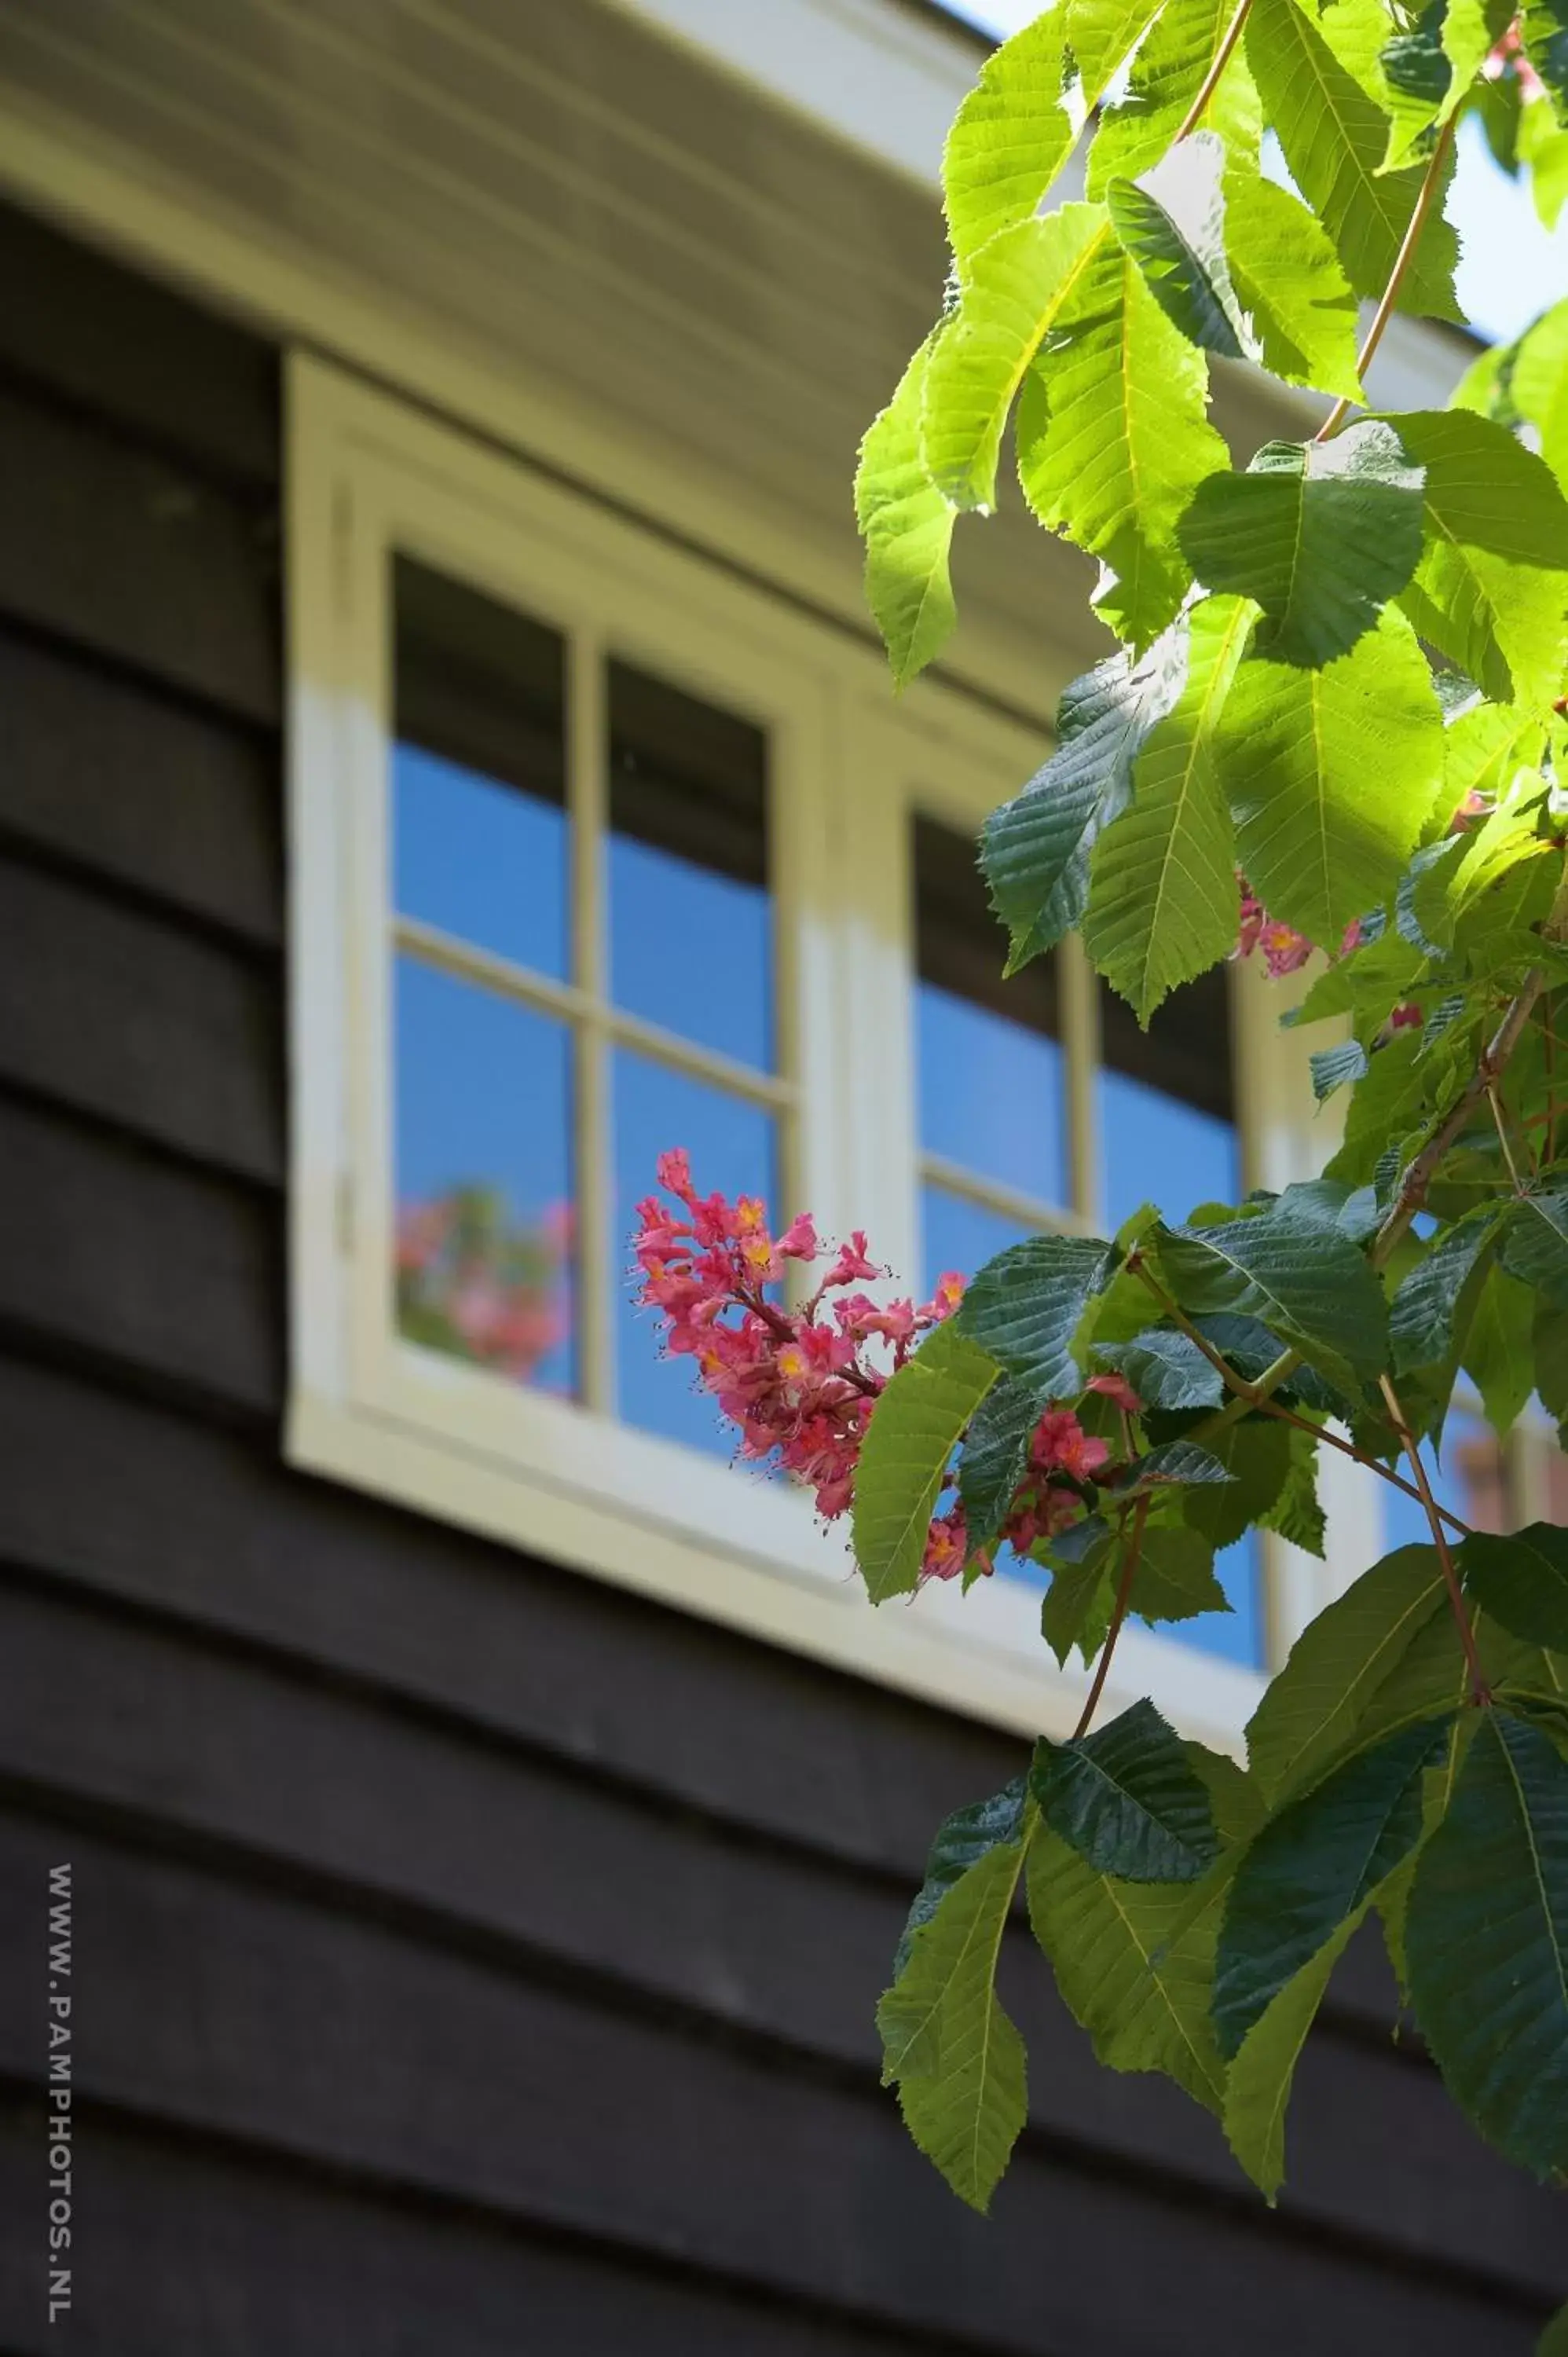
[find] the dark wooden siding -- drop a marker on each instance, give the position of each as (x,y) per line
(470,1959)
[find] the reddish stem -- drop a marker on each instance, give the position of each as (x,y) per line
(1480,1691)
(1123,1597)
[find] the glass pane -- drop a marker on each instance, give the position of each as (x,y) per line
(479,828)
(1469,1479)
(958,1235)
(992,1072)
(690,927)
(1166,1109)
(733,1149)
(482,1144)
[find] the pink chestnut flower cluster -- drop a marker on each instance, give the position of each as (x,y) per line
(800,1384)
(1284,950)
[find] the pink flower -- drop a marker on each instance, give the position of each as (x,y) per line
(673,1171)
(1506,58)
(859,1317)
(1117,1389)
(422,1230)
(1284,949)
(793,1385)
(851,1266)
(947,1547)
(1404,1017)
(800,1386)
(1060,1444)
(949,1292)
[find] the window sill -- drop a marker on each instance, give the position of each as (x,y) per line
(756,1561)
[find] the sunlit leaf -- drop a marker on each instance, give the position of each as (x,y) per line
(1019,287)
(1491,589)
(1538,384)
(907,524)
(1482,748)
(1428,69)
(1100,35)
(1321,534)
(1296,748)
(1172,222)
(1010,137)
(1288,280)
(1334,137)
(1138,124)
(1113,440)
(1162,902)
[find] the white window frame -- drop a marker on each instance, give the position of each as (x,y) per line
(369,475)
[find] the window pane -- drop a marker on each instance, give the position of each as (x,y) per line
(479,833)
(482,1147)
(732,1151)
(992,1074)
(958,1235)
(1166,1111)
(1236,1635)
(690,928)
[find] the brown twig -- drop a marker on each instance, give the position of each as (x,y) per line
(1479,1689)
(1384,312)
(1123,1598)
(1348,1448)
(1210,83)
(1226,1373)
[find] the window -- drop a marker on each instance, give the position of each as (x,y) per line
(558,1011)
(597,849)
(1042,1105)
